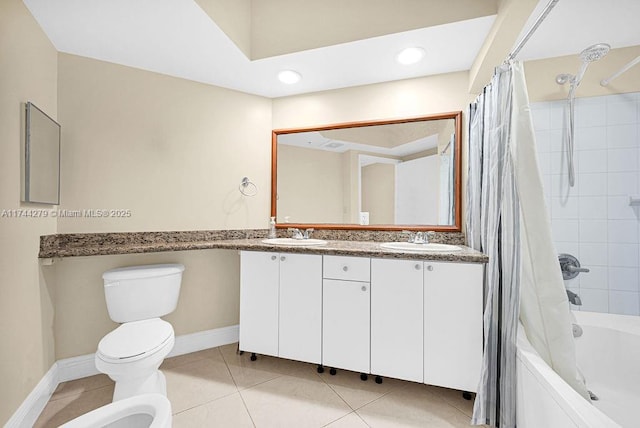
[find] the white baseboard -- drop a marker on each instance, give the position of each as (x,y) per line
(193,342)
(83,366)
(32,406)
(76,367)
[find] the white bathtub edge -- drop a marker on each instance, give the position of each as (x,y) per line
(581,412)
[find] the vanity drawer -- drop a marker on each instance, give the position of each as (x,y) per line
(347,268)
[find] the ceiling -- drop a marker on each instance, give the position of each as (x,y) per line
(331,45)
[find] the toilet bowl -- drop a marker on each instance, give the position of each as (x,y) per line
(131,355)
(141,411)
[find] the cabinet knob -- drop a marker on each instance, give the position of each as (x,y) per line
(282,258)
(364,288)
(273,257)
(345,268)
(429,268)
(417,266)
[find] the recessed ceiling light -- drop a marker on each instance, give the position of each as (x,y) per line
(289,77)
(410,56)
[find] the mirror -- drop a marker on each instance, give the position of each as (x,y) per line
(383,175)
(41,157)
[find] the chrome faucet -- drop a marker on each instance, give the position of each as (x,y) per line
(570,266)
(295,233)
(298,234)
(417,237)
(574,299)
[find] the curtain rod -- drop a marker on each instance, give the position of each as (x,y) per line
(532,30)
(605,82)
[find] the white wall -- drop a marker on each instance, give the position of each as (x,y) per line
(593,220)
(416,200)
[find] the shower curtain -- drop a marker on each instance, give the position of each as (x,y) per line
(508,221)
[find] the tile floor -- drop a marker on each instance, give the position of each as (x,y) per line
(219,388)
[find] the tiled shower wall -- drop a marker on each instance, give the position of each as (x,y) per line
(594,220)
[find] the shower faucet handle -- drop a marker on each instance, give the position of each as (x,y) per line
(570,266)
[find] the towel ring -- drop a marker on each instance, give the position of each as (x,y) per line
(247,187)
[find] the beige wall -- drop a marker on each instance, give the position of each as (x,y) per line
(29,70)
(173,152)
(541,75)
(310,185)
(170,150)
(378,192)
(404,98)
(209,296)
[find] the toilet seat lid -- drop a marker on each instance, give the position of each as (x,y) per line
(132,340)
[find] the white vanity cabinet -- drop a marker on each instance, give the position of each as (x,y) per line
(453,324)
(408,319)
(281,305)
(397,319)
(346,313)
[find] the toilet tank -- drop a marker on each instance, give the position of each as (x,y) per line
(142,292)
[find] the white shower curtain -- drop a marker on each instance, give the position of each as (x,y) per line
(544,310)
(507,219)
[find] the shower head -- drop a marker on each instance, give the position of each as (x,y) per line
(594,52)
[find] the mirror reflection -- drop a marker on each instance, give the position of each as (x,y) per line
(383,175)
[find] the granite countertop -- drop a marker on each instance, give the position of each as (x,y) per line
(343,243)
(361,249)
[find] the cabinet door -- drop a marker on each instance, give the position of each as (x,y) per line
(259,273)
(453,324)
(300,333)
(345,325)
(397,319)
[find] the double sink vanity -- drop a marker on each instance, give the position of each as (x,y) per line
(355,296)
(395,309)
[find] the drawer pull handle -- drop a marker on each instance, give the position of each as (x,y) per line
(283,258)
(417,266)
(364,288)
(273,257)
(429,268)
(345,268)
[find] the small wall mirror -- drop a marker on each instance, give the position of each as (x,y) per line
(383,175)
(41,182)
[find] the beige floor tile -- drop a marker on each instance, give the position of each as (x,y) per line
(78,386)
(454,398)
(413,406)
(247,373)
(196,383)
(212,353)
(352,420)
(293,402)
(64,409)
(356,392)
(228,411)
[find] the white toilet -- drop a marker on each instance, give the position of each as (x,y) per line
(132,353)
(141,411)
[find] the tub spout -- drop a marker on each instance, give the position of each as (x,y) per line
(574,299)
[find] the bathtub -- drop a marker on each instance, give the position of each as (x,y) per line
(608,354)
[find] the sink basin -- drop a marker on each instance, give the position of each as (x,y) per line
(294,242)
(410,246)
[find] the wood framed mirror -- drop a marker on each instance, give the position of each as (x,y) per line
(400,174)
